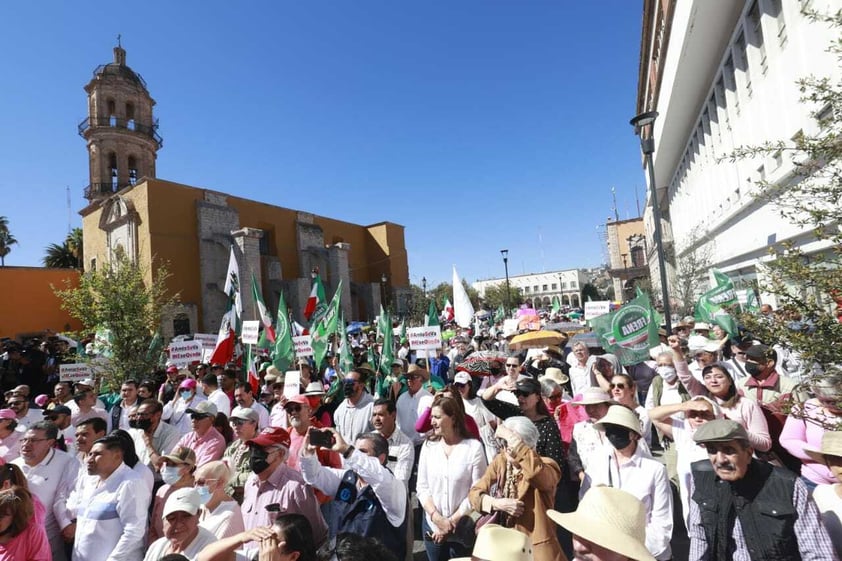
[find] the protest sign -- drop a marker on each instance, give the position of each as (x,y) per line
(426,338)
(184,353)
(292,383)
(597,308)
(302,346)
(251,331)
(74,372)
(208,340)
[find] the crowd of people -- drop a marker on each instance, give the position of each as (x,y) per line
(554,453)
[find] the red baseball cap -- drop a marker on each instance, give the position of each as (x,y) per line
(300,399)
(271,436)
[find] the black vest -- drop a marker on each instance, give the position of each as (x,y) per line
(364,516)
(762,501)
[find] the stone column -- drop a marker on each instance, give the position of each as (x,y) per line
(214,220)
(247,250)
(337,258)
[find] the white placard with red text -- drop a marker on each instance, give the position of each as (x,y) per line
(427,338)
(184,353)
(302,346)
(74,372)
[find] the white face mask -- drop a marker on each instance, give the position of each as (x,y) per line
(667,373)
(170,474)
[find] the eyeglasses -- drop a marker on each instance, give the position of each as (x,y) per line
(510,365)
(459,385)
(293,407)
(26,440)
(198,416)
(740,353)
(201,482)
(555,397)
(521,393)
(700,415)
(619,386)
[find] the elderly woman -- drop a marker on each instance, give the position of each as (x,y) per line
(602,368)
(219,512)
(22,536)
(519,487)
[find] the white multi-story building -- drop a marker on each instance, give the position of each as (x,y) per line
(723,74)
(539,288)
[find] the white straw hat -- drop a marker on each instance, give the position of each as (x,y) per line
(622,416)
(611,518)
(496,543)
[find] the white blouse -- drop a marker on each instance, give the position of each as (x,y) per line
(447,479)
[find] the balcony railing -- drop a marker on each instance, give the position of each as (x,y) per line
(97,190)
(125,124)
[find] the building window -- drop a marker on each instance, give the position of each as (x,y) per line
(526,289)
(572,284)
(181,325)
(544,288)
(112,169)
(535,288)
(554,286)
(637,256)
(132,170)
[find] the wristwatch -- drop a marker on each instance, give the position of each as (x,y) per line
(348,451)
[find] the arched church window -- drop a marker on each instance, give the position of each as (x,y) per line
(112,108)
(112,169)
(130,116)
(132,170)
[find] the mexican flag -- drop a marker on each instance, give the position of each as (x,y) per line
(229,325)
(263,313)
(712,306)
(283,354)
(447,314)
(324,327)
(316,303)
(251,371)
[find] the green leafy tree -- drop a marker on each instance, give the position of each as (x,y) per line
(67,255)
(589,291)
(805,284)
(495,296)
(7,240)
(444,291)
(116,298)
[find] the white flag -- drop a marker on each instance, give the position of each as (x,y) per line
(232,284)
(463,311)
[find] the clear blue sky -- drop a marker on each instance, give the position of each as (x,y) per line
(478,125)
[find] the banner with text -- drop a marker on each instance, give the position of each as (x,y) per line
(597,308)
(74,372)
(426,338)
(251,332)
(302,346)
(292,383)
(208,340)
(184,353)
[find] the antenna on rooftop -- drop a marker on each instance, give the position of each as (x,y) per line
(614,197)
(69,213)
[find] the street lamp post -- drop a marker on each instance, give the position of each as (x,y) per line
(505,254)
(424,287)
(383,293)
(647,146)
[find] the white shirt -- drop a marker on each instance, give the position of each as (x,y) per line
(33,415)
(10,446)
(830,505)
(224,521)
(589,442)
(52,481)
(646,479)
(389,490)
(158,549)
(447,479)
(352,420)
(401,455)
(175,413)
(264,419)
(409,409)
(164,440)
(110,516)
(223,404)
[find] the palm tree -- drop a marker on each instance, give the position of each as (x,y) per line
(59,257)
(7,240)
(74,244)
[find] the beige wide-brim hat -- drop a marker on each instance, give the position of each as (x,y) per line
(831,446)
(594,396)
(556,375)
(611,518)
(622,416)
(496,543)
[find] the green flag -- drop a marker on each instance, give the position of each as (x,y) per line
(402,331)
(346,358)
(156,346)
(283,354)
(556,305)
(325,327)
(630,331)
(712,306)
(432,314)
(388,353)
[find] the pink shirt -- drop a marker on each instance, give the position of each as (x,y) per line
(798,433)
(207,448)
(31,544)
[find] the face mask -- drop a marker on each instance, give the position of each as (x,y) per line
(170,474)
(144,424)
(348,388)
(753,369)
(204,494)
(258,462)
(618,437)
(185,395)
(134,424)
(667,373)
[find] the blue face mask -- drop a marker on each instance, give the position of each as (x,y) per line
(185,395)
(204,494)
(170,474)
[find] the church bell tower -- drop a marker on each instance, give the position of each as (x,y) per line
(120,130)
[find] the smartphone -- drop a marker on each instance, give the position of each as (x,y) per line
(428,536)
(321,438)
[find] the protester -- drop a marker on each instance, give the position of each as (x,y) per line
(119,416)
(19,403)
(602,369)
(353,416)
(485,420)
(728,513)
(177,469)
(131,459)
(22,536)
(181,531)
(763,384)
(629,467)
(204,439)
(244,397)
(290,534)
(450,463)
(580,378)
(828,497)
(9,436)
(525,488)
(411,404)
(401,451)
(88,432)
(496,543)
(608,525)
(51,475)
(85,402)
(237,455)
(110,506)
(210,387)
(624,392)
(370,500)
(220,514)
(153,438)
(59,415)
(176,411)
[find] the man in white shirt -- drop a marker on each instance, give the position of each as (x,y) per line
(245,399)
(580,378)
(51,475)
(175,412)
(412,403)
(182,533)
(88,432)
(625,465)
(26,415)
(85,403)
(60,417)
(152,437)
(353,416)
(210,385)
(401,450)
(111,506)
(120,411)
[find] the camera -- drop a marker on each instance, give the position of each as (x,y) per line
(321,438)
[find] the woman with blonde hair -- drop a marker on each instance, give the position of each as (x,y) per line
(519,487)
(22,538)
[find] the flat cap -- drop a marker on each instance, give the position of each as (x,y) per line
(720,430)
